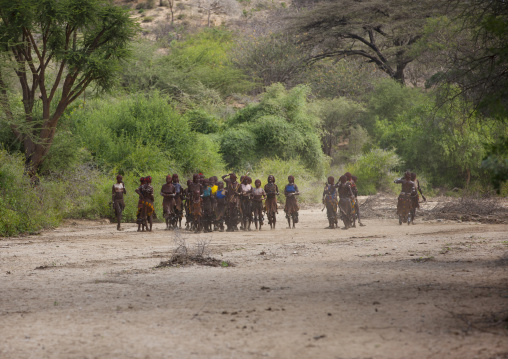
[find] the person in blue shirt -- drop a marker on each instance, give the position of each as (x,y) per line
(291,208)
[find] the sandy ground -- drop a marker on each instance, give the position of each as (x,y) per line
(438,289)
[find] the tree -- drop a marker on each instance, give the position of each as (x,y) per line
(338,117)
(473,52)
(217,7)
(273,58)
(56,49)
(380,31)
(171,5)
(443,143)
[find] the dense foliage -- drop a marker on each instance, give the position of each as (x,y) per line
(56,49)
(281,124)
(142,133)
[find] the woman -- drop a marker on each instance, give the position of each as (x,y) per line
(415,198)
(195,191)
(145,213)
(404,202)
(220,197)
(291,208)
(271,191)
(245,195)
(168,193)
(258,194)
(118,191)
(207,218)
(346,198)
(330,201)
(232,202)
(178,208)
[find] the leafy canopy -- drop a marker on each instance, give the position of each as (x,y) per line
(56,49)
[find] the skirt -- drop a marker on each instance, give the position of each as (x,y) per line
(345,206)
(167,207)
(291,205)
(404,204)
(271,205)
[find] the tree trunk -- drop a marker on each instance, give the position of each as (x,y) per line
(399,74)
(35,152)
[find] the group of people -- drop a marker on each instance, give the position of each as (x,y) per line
(210,204)
(409,199)
(341,201)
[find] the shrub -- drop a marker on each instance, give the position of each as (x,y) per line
(204,59)
(346,77)
(202,122)
(281,124)
(375,171)
(237,146)
(139,134)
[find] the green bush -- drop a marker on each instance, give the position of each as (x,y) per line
(237,146)
(275,58)
(348,77)
(282,125)
(202,122)
(446,142)
(140,134)
(375,171)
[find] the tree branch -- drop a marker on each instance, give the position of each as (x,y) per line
(384,67)
(369,44)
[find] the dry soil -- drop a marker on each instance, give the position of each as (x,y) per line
(437,289)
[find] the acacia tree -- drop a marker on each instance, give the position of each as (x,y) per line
(56,49)
(380,31)
(472,51)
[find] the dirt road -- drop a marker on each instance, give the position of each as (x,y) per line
(438,289)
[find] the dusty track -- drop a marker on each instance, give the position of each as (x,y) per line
(432,290)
